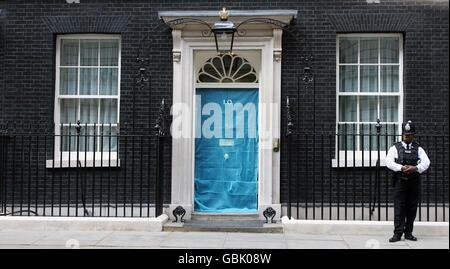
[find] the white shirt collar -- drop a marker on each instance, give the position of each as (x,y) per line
(406,145)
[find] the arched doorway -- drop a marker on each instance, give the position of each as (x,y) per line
(191,50)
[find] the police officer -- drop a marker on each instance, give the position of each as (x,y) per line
(408,160)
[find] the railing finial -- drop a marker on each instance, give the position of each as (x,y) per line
(78,127)
(378,126)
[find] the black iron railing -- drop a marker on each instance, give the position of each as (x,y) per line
(101,173)
(342,175)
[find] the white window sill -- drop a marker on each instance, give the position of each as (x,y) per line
(356,159)
(82,163)
(357,163)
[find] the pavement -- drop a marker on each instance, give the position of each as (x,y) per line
(206,240)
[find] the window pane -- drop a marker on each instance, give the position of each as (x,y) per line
(347,139)
(69,52)
(108,81)
(368,108)
(388,136)
(109,136)
(369,50)
(389,78)
(69,110)
(207,78)
(389,51)
(87,138)
(89,52)
(89,111)
(368,138)
(348,78)
(348,50)
(69,138)
(108,111)
(369,78)
(210,70)
(109,52)
(396,131)
(68,81)
(347,108)
(88,81)
(389,108)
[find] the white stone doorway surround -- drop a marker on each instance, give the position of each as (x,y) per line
(260,37)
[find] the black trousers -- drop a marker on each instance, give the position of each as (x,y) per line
(406,198)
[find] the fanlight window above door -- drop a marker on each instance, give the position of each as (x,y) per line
(227,69)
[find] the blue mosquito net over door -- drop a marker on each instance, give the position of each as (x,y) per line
(226,150)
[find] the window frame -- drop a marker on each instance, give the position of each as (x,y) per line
(373,154)
(88,156)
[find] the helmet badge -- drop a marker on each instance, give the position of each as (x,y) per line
(407,127)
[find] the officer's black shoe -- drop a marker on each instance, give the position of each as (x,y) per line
(410,237)
(395,238)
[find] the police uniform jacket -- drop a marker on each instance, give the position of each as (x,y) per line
(392,157)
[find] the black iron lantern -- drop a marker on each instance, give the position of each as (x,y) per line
(224,34)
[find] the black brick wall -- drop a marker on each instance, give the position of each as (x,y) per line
(29,28)
(2,55)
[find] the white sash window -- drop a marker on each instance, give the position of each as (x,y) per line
(87,90)
(369,87)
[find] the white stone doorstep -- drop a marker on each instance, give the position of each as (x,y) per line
(359,227)
(82,223)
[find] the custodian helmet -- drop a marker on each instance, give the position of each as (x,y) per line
(408,128)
